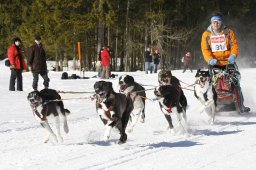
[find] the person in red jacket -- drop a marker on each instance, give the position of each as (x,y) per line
(187,61)
(18,64)
(105,63)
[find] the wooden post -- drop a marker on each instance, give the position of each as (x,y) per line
(79,53)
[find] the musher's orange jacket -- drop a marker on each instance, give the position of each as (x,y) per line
(207,46)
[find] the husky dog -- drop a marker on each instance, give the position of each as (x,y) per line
(113,108)
(205,93)
(165,77)
(47,104)
(130,88)
(171,103)
(171,97)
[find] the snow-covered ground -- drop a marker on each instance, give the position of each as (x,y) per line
(228,144)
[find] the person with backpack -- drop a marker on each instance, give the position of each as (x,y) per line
(17,64)
(220,48)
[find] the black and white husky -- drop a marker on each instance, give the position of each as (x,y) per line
(47,104)
(168,97)
(205,93)
(113,108)
(132,89)
(172,101)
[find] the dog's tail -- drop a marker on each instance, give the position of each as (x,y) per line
(67,112)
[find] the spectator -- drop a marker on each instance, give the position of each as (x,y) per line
(148,61)
(98,64)
(156,59)
(37,63)
(17,64)
(105,62)
(187,58)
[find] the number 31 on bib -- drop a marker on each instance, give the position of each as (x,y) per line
(218,43)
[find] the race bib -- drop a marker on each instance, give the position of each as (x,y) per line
(218,43)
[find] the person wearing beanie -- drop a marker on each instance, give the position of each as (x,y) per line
(220,47)
(17,64)
(37,63)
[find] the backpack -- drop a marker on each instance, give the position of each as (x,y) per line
(64,76)
(7,63)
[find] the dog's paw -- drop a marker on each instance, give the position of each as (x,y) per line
(54,137)
(120,142)
(105,138)
(60,139)
(172,131)
(66,129)
(211,121)
(123,139)
(46,140)
(129,130)
(142,120)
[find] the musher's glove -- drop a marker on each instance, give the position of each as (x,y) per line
(212,62)
(232,59)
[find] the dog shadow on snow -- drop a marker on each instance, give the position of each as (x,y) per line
(208,132)
(99,143)
(181,144)
(103,143)
(236,123)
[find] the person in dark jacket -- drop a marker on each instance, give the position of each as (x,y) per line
(17,64)
(37,63)
(148,61)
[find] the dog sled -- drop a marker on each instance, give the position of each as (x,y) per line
(225,81)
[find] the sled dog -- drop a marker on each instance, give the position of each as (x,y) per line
(113,108)
(47,104)
(132,89)
(205,93)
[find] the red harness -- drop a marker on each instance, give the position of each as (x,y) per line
(169,110)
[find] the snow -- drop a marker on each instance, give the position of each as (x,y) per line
(228,144)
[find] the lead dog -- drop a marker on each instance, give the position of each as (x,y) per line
(171,98)
(47,104)
(113,108)
(132,89)
(205,93)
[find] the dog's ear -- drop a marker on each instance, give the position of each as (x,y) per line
(169,73)
(129,80)
(97,86)
(29,95)
(108,86)
(197,73)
